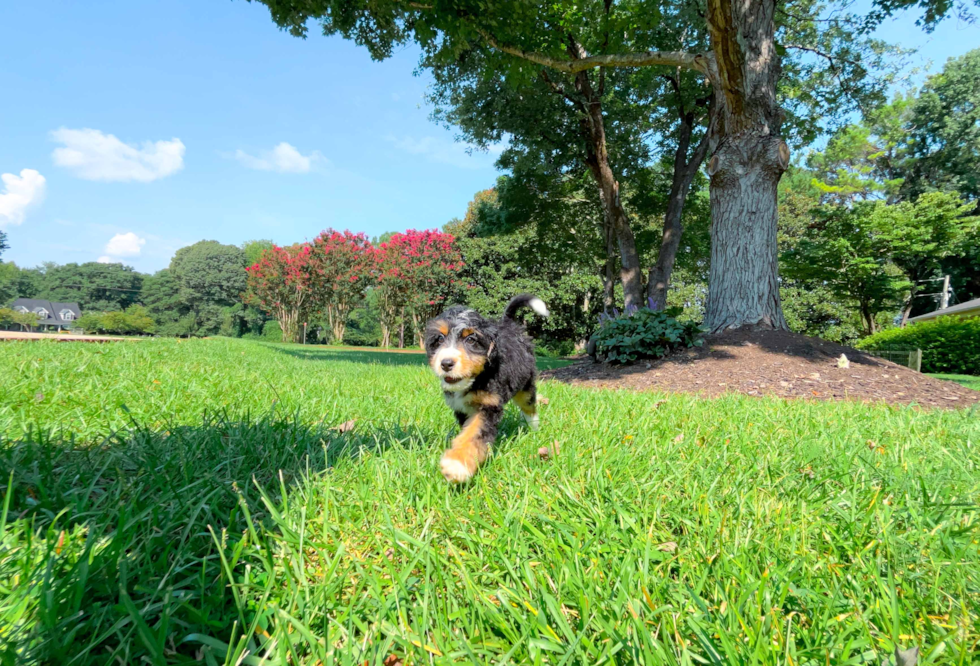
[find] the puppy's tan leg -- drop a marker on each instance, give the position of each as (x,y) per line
(471,446)
(527,402)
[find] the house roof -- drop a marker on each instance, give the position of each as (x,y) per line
(53,308)
(968,309)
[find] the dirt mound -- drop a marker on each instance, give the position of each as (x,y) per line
(778,363)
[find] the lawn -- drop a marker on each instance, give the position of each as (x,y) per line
(175,501)
(969,381)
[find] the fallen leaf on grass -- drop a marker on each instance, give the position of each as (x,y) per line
(543,401)
(679,438)
(657,403)
(667,546)
(38,397)
(390,660)
(346,426)
(546,452)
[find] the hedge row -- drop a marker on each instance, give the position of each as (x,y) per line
(948,344)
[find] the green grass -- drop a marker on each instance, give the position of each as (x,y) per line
(179,501)
(969,381)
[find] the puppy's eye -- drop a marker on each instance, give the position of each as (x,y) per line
(473,343)
(436,339)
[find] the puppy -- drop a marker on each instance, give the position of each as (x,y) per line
(481,365)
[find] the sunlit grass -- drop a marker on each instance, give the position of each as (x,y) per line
(174,501)
(969,381)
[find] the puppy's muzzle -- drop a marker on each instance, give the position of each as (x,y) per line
(447,364)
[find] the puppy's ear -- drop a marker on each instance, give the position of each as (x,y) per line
(491,333)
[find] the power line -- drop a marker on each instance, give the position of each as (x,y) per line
(80,286)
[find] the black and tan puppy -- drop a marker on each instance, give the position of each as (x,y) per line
(482,364)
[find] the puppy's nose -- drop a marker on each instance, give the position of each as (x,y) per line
(447,364)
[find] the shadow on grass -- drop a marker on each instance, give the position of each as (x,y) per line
(370,357)
(109,551)
(384,358)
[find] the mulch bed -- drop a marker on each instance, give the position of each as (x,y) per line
(775,363)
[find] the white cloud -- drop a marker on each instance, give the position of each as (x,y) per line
(106,260)
(19,193)
(459,154)
(284,158)
(124,245)
(92,155)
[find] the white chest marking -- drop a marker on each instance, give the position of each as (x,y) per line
(458,402)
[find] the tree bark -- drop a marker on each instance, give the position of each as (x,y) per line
(609,274)
(747,162)
(907,308)
(684,172)
(597,159)
(870,325)
(401,331)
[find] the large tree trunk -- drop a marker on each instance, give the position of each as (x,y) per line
(749,159)
(684,172)
(743,283)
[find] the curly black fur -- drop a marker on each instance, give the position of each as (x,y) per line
(483,364)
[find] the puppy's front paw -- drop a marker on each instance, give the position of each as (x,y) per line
(533,422)
(454,470)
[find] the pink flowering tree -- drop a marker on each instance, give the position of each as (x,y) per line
(341,268)
(416,274)
(279,283)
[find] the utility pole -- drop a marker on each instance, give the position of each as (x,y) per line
(944,299)
(304,332)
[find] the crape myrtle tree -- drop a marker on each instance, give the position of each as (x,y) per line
(340,265)
(576,47)
(430,272)
(280,283)
(391,287)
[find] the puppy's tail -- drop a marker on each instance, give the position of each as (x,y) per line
(525,300)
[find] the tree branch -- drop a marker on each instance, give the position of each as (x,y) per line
(559,89)
(829,58)
(696,61)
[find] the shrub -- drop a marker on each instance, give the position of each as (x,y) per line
(23,320)
(134,320)
(272,331)
(948,344)
(643,333)
(554,349)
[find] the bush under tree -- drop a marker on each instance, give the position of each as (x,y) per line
(643,333)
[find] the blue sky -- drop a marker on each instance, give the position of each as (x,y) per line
(129,129)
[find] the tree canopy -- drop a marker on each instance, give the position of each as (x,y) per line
(94,286)
(944,131)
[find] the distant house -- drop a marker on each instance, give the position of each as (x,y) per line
(968,309)
(50,314)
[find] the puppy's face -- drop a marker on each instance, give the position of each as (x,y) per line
(459,344)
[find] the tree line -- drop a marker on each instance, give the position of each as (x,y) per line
(864,227)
